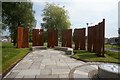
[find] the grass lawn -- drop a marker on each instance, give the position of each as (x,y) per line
(111,46)
(89,56)
(11,55)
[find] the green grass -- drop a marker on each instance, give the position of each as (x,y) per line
(11,55)
(111,46)
(89,56)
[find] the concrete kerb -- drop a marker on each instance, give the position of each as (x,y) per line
(68,51)
(71,73)
(38,48)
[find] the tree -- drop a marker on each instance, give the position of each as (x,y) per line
(17,13)
(119,31)
(55,17)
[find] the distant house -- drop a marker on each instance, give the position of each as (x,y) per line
(114,40)
(5,39)
(106,40)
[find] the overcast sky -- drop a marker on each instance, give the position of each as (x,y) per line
(85,11)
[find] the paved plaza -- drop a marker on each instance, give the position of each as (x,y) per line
(46,64)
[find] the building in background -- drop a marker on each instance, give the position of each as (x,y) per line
(6,39)
(114,40)
(119,18)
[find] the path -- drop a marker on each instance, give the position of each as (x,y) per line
(44,64)
(51,64)
(113,49)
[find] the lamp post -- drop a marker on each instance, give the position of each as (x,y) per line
(88,24)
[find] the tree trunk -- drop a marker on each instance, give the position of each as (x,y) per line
(14,33)
(14,42)
(14,39)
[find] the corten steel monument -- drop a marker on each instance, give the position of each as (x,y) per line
(52,38)
(67,38)
(22,37)
(96,38)
(80,38)
(37,37)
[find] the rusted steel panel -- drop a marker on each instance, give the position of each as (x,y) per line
(101,38)
(49,37)
(56,37)
(77,38)
(82,42)
(41,37)
(35,37)
(90,39)
(63,38)
(52,38)
(80,38)
(19,37)
(95,38)
(25,43)
(98,40)
(67,38)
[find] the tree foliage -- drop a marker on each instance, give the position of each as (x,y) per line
(119,31)
(15,13)
(55,17)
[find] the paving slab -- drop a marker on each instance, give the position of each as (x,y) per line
(44,64)
(29,72)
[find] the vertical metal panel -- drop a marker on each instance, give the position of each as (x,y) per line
(98,40)
(25,43)
(35,37)
(82,42)
(19,37)
(63,38)
(41,37)
(56,37)
(80,38)
(76,38)
(101,38)
(67,38)
(90,39)
(52,38)
(95,38)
